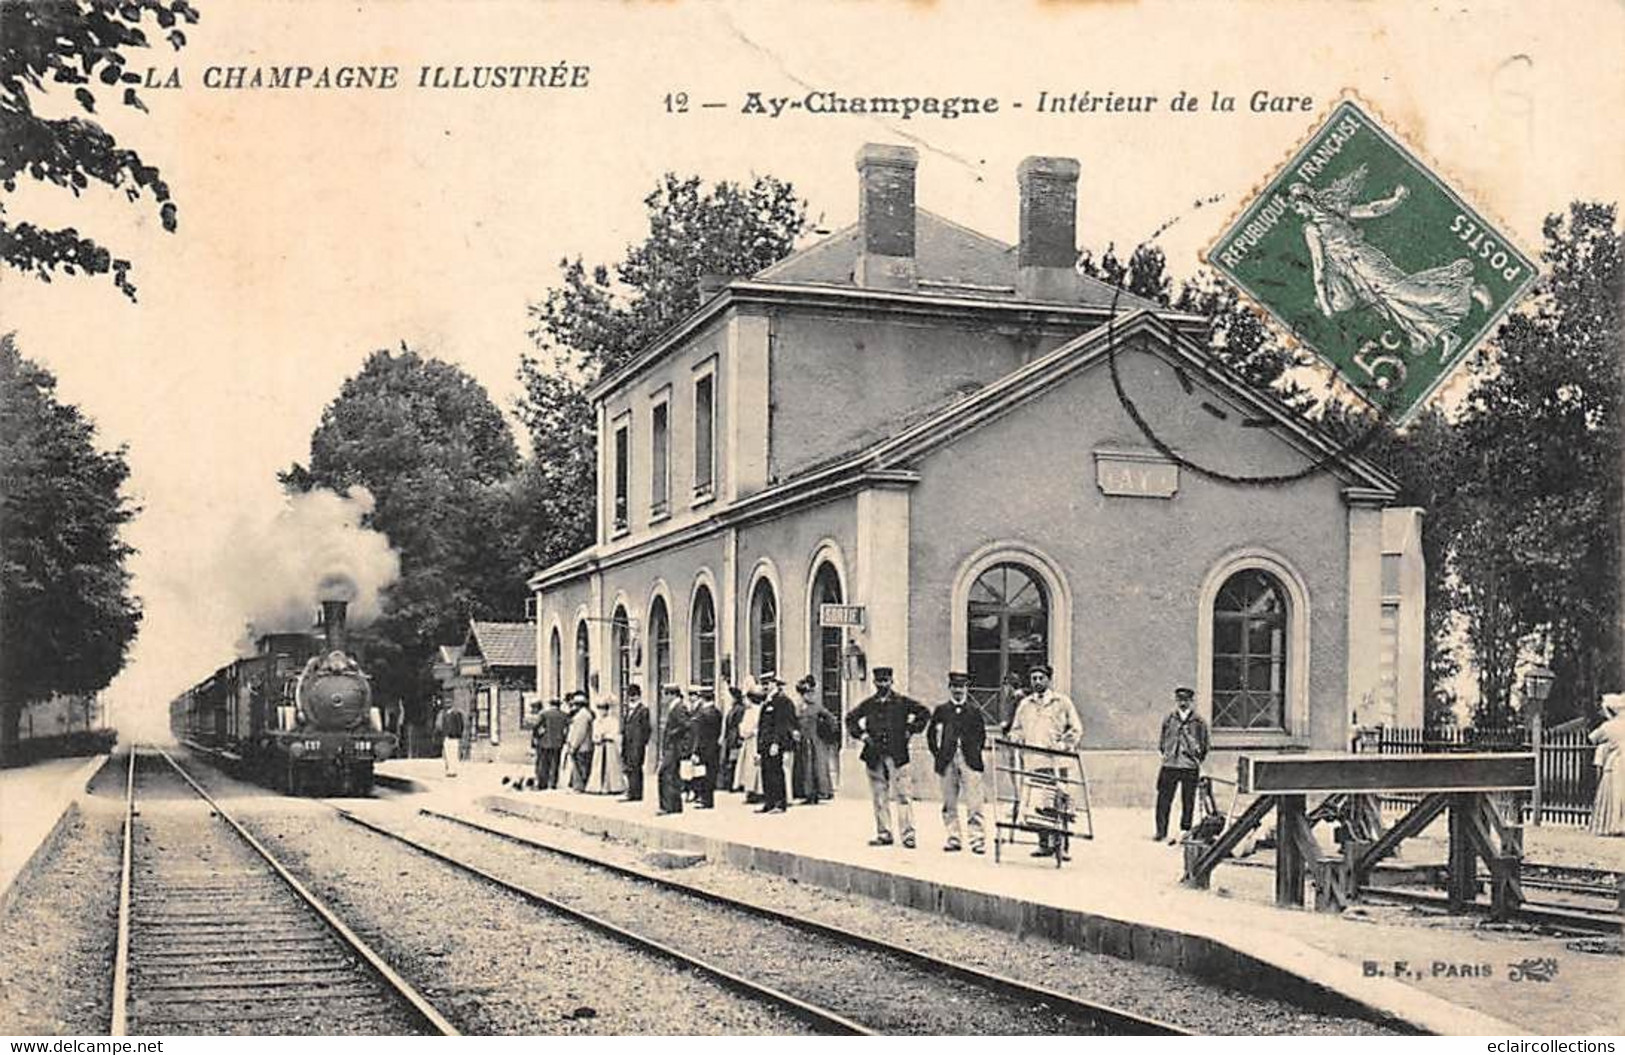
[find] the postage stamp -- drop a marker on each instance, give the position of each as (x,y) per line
(1372,262)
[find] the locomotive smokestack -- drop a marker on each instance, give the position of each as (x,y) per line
(333,624)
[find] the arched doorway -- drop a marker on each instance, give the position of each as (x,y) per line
(825,646)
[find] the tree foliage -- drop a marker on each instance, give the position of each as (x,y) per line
(424,437)
(67,618)
(80,45)
(600,316)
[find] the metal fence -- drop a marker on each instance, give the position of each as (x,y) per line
(1568,781)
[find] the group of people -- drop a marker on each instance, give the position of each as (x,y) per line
(599,750)
(701,750)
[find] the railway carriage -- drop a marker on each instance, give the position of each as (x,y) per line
(297,714)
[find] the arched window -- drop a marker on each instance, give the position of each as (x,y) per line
(826,640)
(660,639)
(1007,630)
(583,658)
(764,629)
(620,630)
(1250,618)
(703,638)
(555,662)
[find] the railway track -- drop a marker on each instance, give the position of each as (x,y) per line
(838,980)
(215,936)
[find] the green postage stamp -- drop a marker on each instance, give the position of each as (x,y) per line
(1372,263)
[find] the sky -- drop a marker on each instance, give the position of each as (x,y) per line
(319,225)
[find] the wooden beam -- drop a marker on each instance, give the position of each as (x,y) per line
(1312,774)
(1420,816)
(1290,826)
(1463,884)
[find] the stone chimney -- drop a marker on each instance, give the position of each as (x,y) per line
(1049,229)
(886,217)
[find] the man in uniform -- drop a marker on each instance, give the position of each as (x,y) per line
(676,745)
(776,736)
(1184,744)
(707,725)
(1047,719)
(956,736)
(884,722)
(634,742)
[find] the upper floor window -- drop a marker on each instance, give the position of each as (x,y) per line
(1249,652)
(705,434)
(660,460)
(623,469)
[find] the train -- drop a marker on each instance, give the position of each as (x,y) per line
(296,715)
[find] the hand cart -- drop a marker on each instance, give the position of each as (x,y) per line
(1040,792)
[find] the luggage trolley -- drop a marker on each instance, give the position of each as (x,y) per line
(1039,791)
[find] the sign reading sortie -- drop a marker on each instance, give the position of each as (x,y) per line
(1373,263)
(840,615)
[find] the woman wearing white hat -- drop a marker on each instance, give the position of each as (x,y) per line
(1608,808)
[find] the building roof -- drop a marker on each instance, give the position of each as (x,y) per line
(502,644)
(949,259)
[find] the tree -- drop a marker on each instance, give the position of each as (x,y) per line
(424,437)
(598,317)
(66,614)
(1543,431)
(79,44)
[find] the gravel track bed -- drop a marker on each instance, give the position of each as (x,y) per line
(492,962)
(883,992)
(220,945)
(1141,988)
(56,974)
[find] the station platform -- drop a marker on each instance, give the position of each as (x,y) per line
(1119,895)
(35,804)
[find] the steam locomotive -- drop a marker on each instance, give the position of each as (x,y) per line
(297,714)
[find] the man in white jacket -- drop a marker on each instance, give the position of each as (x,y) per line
(1046,718)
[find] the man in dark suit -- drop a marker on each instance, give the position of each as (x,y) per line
(956,736)
(884,722)
(548,739)
(776,736)
(707,725)
(676,745)
(634,742)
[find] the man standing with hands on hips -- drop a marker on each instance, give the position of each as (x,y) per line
(884,722)
(1184,744)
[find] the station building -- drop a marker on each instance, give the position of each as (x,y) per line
(938,430)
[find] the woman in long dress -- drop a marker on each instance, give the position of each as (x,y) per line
(1608,808)
(810,777)
(748,777)
(606,776)
(1348,272)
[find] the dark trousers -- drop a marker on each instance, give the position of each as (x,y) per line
(581,765)
(671,789)
(1167,778)
(773,791)
(547,767)
(634,778)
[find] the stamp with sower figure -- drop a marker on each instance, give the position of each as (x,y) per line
(1372,262)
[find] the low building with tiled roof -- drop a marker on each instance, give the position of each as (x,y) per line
(984,457)
(491,679)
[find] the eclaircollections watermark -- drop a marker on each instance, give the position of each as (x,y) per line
(1372,262)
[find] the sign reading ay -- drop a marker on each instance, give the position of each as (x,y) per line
(1373,263)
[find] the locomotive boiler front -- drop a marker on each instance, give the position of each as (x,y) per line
(333,694)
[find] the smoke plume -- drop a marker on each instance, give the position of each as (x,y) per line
(275,573)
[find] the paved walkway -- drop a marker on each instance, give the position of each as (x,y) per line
(32,801)
(1462,984)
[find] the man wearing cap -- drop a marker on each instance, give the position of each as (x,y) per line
(884,722)
(1184,744)
(548,737)
(676,745)
(956,736)
(1045,718)
(776,736)
(634,742)
(578,745)
(706,720)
